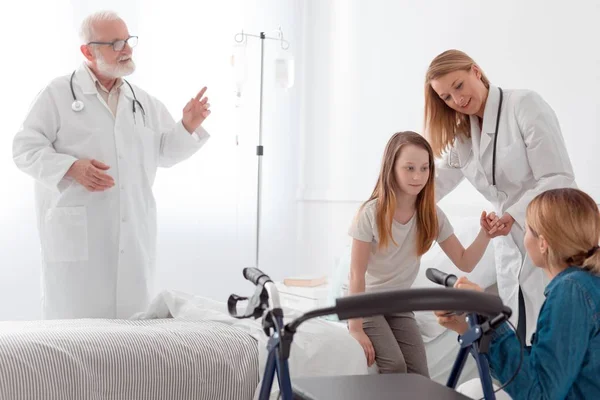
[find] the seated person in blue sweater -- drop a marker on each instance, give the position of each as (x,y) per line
(563,361)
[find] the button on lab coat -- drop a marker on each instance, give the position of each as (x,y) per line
(531,158)
(98,248)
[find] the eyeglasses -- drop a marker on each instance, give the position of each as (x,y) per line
(119,45)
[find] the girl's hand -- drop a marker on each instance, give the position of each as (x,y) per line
(503,225)
(366,344)
(492,225)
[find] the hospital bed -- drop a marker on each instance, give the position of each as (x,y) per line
(122,359)
(183,347)
(186,346)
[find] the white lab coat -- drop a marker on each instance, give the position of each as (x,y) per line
(531,158)
(98,248)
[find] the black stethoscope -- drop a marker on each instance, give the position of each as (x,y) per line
(457,164)
(496,139)
(78,104)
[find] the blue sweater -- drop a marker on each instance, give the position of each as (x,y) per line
(563,361)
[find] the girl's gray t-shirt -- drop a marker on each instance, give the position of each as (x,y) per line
(397,266)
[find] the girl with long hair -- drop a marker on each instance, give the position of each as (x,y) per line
(390,232)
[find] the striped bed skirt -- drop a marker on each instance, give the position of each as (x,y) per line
(126,359)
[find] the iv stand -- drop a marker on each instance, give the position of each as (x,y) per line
(240,38)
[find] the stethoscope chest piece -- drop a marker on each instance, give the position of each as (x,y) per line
(77,105)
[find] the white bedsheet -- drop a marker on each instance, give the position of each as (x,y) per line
(320,347)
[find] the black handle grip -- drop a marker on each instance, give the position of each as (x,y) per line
(232,305)
(426,299)
(441,278)
(256,276)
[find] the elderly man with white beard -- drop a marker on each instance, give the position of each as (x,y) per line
(93,142)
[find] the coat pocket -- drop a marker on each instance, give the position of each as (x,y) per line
(65,234)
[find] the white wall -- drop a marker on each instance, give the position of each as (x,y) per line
(365,67)
(207,204)
(359,78)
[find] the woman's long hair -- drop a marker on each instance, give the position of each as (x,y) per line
(569,220)
(442,123)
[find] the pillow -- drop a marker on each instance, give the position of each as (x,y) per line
(338,280)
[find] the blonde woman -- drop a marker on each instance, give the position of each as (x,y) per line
(509,146)
(563,362)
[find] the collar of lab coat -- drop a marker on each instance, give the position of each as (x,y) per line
(463,147)
(490,116)
(88,86)
(87,81)
(117,85)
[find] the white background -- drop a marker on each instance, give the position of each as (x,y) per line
(359,71)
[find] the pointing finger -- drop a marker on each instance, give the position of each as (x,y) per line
(200,93)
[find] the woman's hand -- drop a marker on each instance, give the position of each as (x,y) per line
(499,226)
(366,344)
(451,321)
(492,225)
(457,323)
(464,283)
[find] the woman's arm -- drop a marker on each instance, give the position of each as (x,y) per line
(554,360)
(358,268)
(546,152)
(447,177)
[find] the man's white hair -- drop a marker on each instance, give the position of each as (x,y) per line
(86,31)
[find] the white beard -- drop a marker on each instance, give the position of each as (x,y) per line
(114,70)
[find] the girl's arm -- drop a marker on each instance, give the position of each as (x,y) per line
(467,259)
(362,234)
(358,268)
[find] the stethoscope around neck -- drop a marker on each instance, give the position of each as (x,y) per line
(78,105)
(496,138)
(457,164)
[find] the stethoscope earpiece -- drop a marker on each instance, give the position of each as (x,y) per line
(77,105)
